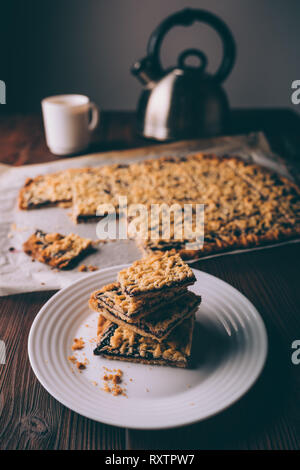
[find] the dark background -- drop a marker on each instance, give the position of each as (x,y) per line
(63,46)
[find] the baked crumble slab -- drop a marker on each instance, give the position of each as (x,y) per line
(153,274)
(57,250)
(245,205)
(116,342)
(157,324)
(46,190)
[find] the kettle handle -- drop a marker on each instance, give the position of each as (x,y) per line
(187,17)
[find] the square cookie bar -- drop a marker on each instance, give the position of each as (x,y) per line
(91,188)
(44,190)
(154,275)
(116,342)
(57,250)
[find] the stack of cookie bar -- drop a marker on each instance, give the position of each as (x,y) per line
(148,315)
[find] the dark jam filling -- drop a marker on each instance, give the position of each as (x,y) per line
(109,304)
(88,217)
(143,326)
(33,205)
(105,342)
(146,357)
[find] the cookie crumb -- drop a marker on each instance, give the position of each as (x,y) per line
(116,379)
(77,344)
(106,388)
(72,359)
(15,228)
(112,382)
(83,268)
(92,268)
(99,242)
(80,365)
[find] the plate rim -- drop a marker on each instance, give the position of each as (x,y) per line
(61,400)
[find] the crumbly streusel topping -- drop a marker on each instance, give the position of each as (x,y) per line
(155,272)
(124,342)
(55,249)
(245,204)
(90,190)
(119,298)
(46,189)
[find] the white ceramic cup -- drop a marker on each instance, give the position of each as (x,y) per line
(69,121)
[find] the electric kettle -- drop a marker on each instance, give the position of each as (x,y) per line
(184,101)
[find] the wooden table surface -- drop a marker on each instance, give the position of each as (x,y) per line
(268,417)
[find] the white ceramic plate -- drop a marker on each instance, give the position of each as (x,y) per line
(229,350)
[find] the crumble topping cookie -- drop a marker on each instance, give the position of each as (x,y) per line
(90,189)
(152,275)
(157,323)
(116,342)
(57,250)
(132,309)
(45,190)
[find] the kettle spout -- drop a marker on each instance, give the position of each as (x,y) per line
(146,72)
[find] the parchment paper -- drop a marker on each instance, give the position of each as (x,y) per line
(19,274)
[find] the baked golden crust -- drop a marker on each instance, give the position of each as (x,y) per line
(152,274)
(116,342)
(45,190)
(157,324)
(227,243)
(57,250)
(90,190)
(245,205)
